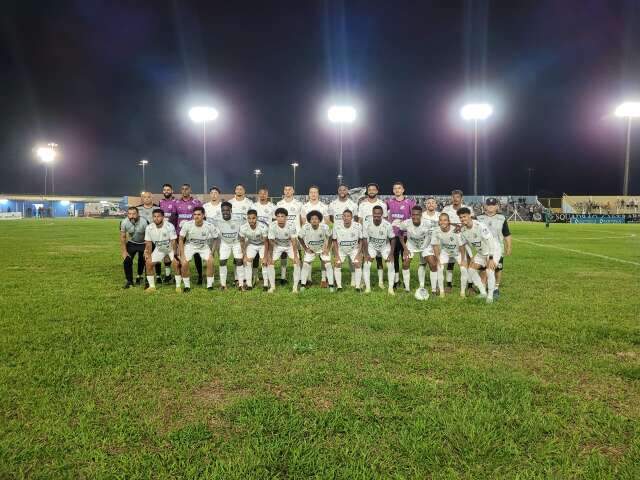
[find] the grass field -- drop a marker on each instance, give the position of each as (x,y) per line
(98,382)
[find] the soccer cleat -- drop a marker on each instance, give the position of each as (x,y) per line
(395,285)
(272,289)
(447,289)
(150,289)
(283,281)
(127,285)
(331,289)
(168,279)
(324,284)
(496,293)
(186,290)
(294,289)
(463,294)
(210,289)
(159,279)
(440,294)
(178,289)
(339,289)
(482,295)
(358,290)
(146,284)
(353,282)
(265,288)
(199,280)
(223,288)
(249,288)
(139,281)
(489,300)
(391,291)
(367,290)
(242,288)
(381,285)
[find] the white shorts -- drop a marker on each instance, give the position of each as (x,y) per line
(384,253)
(446,258)
(482,259)
(310,257)
(352,255)
(157,256)
(190,251)
(426,252)
(227,248)
(253,250)
(279,250)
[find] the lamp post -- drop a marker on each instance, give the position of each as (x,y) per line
(257,172)
(294,165)
(476,112)
(203,115)
(341,115)
(46,155)
(628,110)
(53,146)
(143,163)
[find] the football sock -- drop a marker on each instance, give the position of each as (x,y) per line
(421,275)
(367,275)
(223,275)
(337,273)
(187,282)
(406,278)
(151,280)
(433,279)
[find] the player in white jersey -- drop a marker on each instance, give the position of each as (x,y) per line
(447,246)
(283,242)
(487,252)
(315,239)
(499,227)
(340,204)
(347,243)
(160,245)
(229,229)
(418,242)
(365,209)
(431,213)
(452,210)
(240,204)
(379,242)
(212,208)
(314,204)
(293,208)
(264,208)
(195,237)
(253,240)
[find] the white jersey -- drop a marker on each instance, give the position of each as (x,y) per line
(497,224)
(323,208)
(314,238)
(378,236)
(161,236)
(453,213)
(293,208)
(337,207)
(481,239)
(212,212)
(447,241)
(347,238)
(431,218)
(229,230)
(239,208)
(198,236)
(418,237)
(254,236)
(265,212)
(365,210)
(282,235)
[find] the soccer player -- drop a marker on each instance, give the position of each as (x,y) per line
(195,237)
(229,229)
(315,239)
(480,238)
(240,204)
(264,208)
(254,241)
(499,227)
(160,246)
(416,240)
(132,230)
(340,204)
(365,210)
(293,207)
(447,245)
(314,204)
(452,210)
(212,208)
(347,243)
(379,242)
(184,210)
(398,210)
(168,204)
(431,213)
(283,241)
(146,208)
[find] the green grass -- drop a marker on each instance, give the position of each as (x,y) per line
(98,382)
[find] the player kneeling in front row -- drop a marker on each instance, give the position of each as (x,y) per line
(447,247)
(160,245)
(253,240)
(347,239)
(487,252)
(283,241)
(379,242)
(229,229)
(315,240)
(195,237)
(418,242)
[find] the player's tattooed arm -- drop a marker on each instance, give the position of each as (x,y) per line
(123,245)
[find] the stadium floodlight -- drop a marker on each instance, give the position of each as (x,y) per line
(476,112)
(202,114)
(628,110)
(143,163)
(47,155)
(341,115)
(257,172)
(294,165)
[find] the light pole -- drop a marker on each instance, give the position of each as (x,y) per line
(143,163)
(257,173)
(341,115)
(628,110)
(53,146)
(203,115)
(46,155)
(294,165)
(476,112)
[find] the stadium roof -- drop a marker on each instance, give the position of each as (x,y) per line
(54,198)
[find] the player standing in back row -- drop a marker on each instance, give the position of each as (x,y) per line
(293,208)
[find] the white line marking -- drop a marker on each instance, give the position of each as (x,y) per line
(578,252)
(616,237)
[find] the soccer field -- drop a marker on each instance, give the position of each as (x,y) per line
(99,382)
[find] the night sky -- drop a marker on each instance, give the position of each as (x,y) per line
(111,82)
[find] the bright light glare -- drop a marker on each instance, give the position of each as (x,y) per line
(257,172)
(64,203)
(628,109)
(46,154)
(4,201)
(295,164)
(341,114)
(476,111)
(144,162)
(203,114)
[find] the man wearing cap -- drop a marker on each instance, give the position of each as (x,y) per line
(497,224)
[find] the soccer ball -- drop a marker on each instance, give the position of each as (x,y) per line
(421,294)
